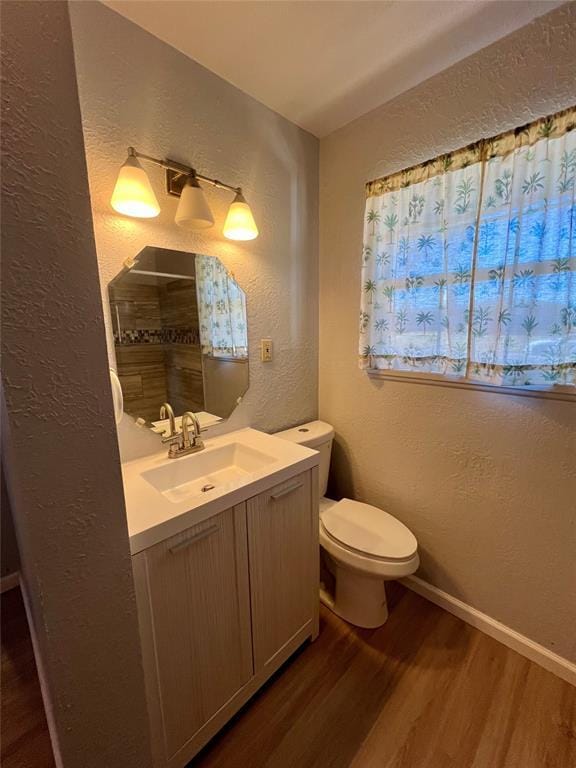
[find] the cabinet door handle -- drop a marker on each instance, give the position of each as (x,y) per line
(285,491)
(193,539)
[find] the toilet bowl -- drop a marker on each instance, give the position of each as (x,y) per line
(362,546)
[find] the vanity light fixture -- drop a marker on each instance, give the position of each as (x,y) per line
(133,196)
(193,211)
(240,224)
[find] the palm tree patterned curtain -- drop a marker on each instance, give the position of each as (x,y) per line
(221,310)
(469,261)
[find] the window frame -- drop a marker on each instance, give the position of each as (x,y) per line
(554,392)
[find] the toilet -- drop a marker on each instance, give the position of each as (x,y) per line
(362,546)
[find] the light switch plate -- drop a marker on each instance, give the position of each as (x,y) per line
(266,350)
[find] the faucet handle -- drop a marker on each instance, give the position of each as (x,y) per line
(174,450)
(172,438)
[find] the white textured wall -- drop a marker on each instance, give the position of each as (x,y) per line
(135,89)
(487,482)
(58,437)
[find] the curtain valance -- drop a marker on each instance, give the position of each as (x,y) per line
(503,144)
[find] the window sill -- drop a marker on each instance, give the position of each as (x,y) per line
(558,392)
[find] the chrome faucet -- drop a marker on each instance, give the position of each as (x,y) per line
(196,444)
(174,436)
(180,442)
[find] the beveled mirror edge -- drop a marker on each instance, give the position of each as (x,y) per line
(208,420)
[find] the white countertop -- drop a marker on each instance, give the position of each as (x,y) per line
(152,517)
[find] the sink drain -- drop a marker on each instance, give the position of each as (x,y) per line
(208,487)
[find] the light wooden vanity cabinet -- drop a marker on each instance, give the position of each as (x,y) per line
(279,533)
(221,606)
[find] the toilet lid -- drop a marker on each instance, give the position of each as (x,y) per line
(369,530)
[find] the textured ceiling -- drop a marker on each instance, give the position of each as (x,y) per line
(321,63)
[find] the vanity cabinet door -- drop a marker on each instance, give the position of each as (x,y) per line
(194,608)
(283,550)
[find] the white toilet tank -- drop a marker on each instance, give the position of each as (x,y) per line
(317,435)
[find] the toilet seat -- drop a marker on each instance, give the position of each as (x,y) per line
(369,530)
(367,539)
(369,555)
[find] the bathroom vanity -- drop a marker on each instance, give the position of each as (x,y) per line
(223,535)
(225,557)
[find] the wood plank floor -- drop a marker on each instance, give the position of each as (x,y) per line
(424,691)
(24,739)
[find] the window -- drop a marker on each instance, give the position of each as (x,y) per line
(221,310)
(469,264)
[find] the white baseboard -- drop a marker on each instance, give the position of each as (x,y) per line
(558,665)
(9,582)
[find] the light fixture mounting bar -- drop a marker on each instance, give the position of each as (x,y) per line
(177,173)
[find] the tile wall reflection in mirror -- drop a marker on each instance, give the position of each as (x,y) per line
(180,336)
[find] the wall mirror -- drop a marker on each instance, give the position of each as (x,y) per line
(180,336)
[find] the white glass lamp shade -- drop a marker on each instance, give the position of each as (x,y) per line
(240,224)
(193,211)
(133,194)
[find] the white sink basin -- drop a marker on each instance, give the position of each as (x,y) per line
(207,471)
(166,496)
